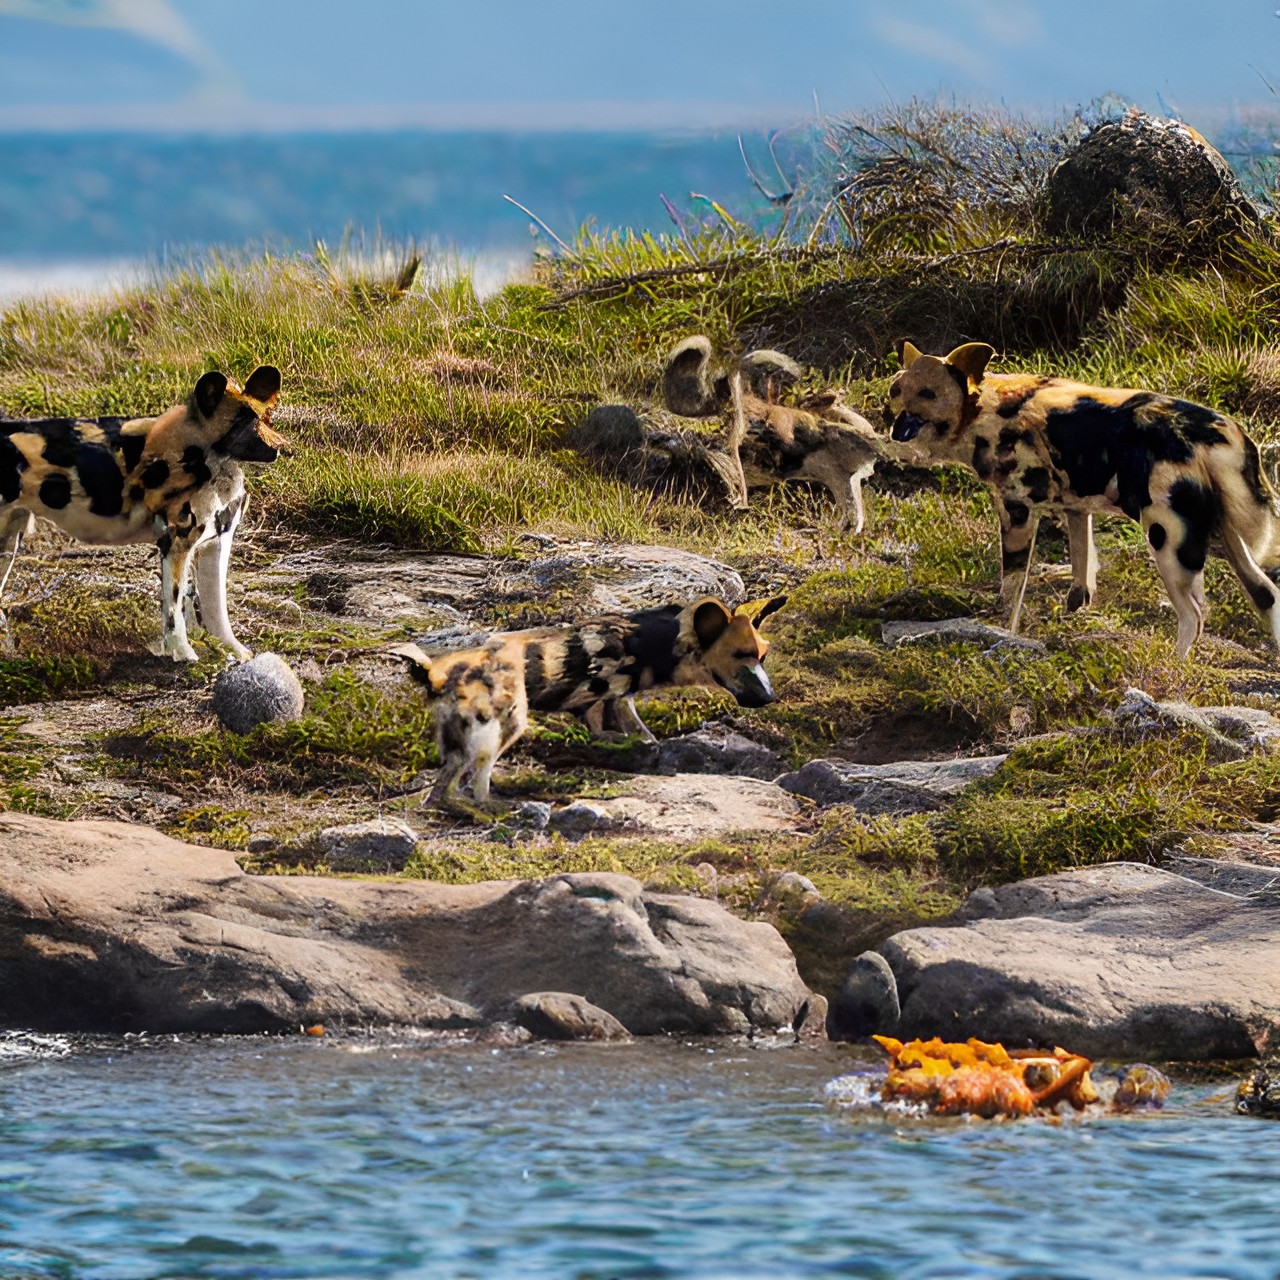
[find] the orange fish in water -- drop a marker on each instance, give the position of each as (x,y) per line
(980,1079)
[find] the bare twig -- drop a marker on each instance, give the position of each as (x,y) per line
(539,221)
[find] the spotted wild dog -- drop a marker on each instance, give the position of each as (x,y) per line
(766,443)
(593,668)
(1189,474)
(174,480)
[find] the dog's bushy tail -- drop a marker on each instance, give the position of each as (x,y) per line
(768,371)
(691,385)
(419,662)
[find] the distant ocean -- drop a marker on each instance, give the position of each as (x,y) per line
(87,211)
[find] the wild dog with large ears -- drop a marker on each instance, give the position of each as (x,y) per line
(1188,473)
(765,443)
(483,696)
(174,480)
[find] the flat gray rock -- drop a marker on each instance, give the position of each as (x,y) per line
(716,749)
(907,786)
(952,631)
(1121,961)
(111,927)
(1232,732)
(385,843)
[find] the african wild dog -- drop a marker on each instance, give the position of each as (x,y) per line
(766,443)
(1188,473)
(174,480)
(594,668)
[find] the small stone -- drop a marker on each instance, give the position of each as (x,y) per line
(261,843)
(532,815)
(559,1015)
(382,841)
(580,818)
(261,691)
(1141,1088)
(811,1022)
(955,631)
(867,1002)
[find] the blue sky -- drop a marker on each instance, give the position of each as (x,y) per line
(293,64)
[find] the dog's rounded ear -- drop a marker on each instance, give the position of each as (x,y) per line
(209,392)
(972,359)
(908,354)
(771,607)
(710,619)
(263,384)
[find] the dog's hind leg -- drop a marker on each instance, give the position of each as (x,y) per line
(1016,617)
(1084,560)
(1017,535)
(211,561)
(1176,559)
(18,524)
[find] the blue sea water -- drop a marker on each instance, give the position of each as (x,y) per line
(262,1157)
(95,206)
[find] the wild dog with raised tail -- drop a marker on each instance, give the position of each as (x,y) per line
(766,443)
(1189,474)
(174,480)
(483,696)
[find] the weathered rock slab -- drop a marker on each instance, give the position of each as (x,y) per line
(954,631)
(105,926)
(716,749)
(354,846)
(904,787)
(1123,961)
(1232,732)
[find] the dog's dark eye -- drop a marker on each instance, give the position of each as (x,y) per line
(927,393)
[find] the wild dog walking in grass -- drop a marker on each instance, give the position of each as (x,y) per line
(174,480)
(766,443)
(595,669)
(1189,474)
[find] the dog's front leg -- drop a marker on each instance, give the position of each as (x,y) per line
(1084,560)
(175,568)
(1017,537)
(211,561)
(628,719)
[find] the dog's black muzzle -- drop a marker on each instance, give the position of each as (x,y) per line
(907,426)
(750,687)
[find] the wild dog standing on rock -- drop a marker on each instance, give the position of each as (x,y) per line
(1188,473)
(594,668)
(174,480)
(767,443)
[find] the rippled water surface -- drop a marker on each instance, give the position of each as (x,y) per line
(264,1157)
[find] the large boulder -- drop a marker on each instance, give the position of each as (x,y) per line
(110,927)
(1122,961)
(1158,176)
(263,690)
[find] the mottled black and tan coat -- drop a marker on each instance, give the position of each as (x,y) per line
(1189,474)
(766,443)
(483,696)
(174,480)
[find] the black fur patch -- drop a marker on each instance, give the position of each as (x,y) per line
(982,463)
(55,491)
(1156,535)
(1198,507)
(1011,560)
(1252,473)
(535,672)
(1011,437)
(1036,480)
(652,643)
(1263,596)
(156,474)
(101,479)
(1013,406)
(1019,513)
(12,465)
(598,684)
(222,519)
(164,544)
(1198,424)
(128,447)
(194,464)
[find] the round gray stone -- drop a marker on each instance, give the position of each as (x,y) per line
(261,691)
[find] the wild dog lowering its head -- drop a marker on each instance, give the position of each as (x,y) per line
(594,668)
(1188,473)
(174,480)
(766,443)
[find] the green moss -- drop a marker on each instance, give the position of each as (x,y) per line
(211,824)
